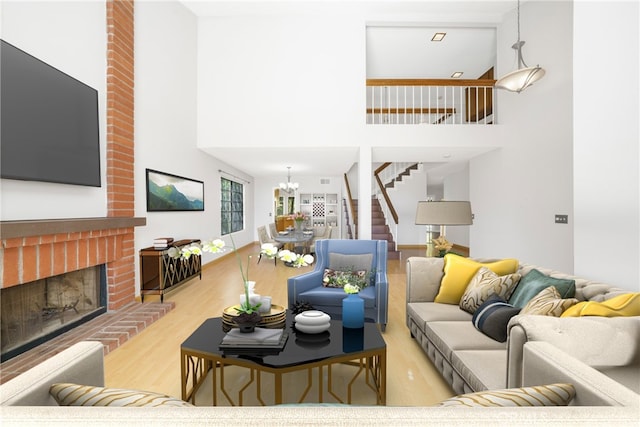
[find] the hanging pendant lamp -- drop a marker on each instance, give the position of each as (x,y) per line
(289,186)
(524,76)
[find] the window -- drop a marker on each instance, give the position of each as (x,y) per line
(231,206)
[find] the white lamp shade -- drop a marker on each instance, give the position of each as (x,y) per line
(517,81)
(444,213)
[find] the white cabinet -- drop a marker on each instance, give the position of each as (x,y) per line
(321,208)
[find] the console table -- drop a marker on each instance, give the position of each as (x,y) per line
(160,273)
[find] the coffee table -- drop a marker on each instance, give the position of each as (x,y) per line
(364,348)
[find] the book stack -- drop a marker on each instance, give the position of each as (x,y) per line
(261,340)
(162,242)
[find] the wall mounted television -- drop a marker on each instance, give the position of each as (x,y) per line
(49,122)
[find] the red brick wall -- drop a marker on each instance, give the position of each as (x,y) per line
(120,145)
(25,259)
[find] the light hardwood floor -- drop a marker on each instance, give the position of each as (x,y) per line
(151,360)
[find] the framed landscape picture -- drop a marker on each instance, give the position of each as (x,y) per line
(167,192)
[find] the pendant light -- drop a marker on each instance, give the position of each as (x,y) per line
(524,76)
(288,186)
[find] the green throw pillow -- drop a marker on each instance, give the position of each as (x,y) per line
(534,282)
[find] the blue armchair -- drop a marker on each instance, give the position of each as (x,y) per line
(308,287)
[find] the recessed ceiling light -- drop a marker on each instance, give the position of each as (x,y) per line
(437,37)
(456,75)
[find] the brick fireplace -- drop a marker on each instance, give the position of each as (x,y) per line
(34,249)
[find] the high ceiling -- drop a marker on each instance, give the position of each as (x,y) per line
(469,46)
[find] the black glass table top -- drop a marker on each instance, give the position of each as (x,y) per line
(300,347)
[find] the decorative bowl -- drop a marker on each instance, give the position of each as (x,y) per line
(312,318)
(312,329)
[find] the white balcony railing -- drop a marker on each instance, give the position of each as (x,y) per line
(430,101)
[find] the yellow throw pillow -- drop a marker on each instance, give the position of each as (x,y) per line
(458,272)
(622,305)
(548,302)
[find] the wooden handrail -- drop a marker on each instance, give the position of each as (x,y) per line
(392,209)
(431,82)
(354,213)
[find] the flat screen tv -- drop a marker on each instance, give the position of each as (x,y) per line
(48,122)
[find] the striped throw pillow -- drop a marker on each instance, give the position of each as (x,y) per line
(548,302)
(67,394)
(544,395)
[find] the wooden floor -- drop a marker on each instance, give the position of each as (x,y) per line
(151,360)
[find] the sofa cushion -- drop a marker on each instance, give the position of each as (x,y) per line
(545,395)
(481,369)
(422,312)
(548,303)
(493,316)
(458,272)
(67,394)
(449,336)
(622,305)
(322,295)
(534,281)
(350,261)
(485,284)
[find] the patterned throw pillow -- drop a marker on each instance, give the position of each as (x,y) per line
(484,284)
(67,394)
(337,278)
(544,395)
(548,303)
(458,272)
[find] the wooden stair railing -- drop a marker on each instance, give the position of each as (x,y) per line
(354,212)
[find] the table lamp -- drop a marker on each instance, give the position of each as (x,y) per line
(442,213)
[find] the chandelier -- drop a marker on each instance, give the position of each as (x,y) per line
(289,187)
(524,76)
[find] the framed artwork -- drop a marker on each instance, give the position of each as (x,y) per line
(167,192)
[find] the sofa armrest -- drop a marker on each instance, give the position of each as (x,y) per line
(544,363)
(423,278)
(82,363)
(596,341)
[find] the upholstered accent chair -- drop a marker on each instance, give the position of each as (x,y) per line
(273,230)
(340,254)
(264,237)
(319,232)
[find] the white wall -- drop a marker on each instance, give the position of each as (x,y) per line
(605,152)
(456,187)
(516,190)
(70,36)
(165,134)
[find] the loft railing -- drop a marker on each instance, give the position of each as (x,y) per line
(430,101)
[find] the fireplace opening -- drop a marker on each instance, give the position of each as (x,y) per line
(35,312)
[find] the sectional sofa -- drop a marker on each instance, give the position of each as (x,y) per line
(26,401)
(600,356)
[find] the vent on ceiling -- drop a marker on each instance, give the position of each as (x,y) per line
(325,181)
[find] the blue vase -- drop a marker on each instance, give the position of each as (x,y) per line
(353,311)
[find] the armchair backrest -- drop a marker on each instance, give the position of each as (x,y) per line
(378,248)
(263,236)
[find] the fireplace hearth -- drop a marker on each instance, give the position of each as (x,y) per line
(35,312)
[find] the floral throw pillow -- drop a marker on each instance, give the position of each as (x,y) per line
(338,278)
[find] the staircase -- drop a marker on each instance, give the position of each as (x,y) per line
(401,175)
(379,228)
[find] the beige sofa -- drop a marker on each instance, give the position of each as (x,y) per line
(25,401)
(599,356)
